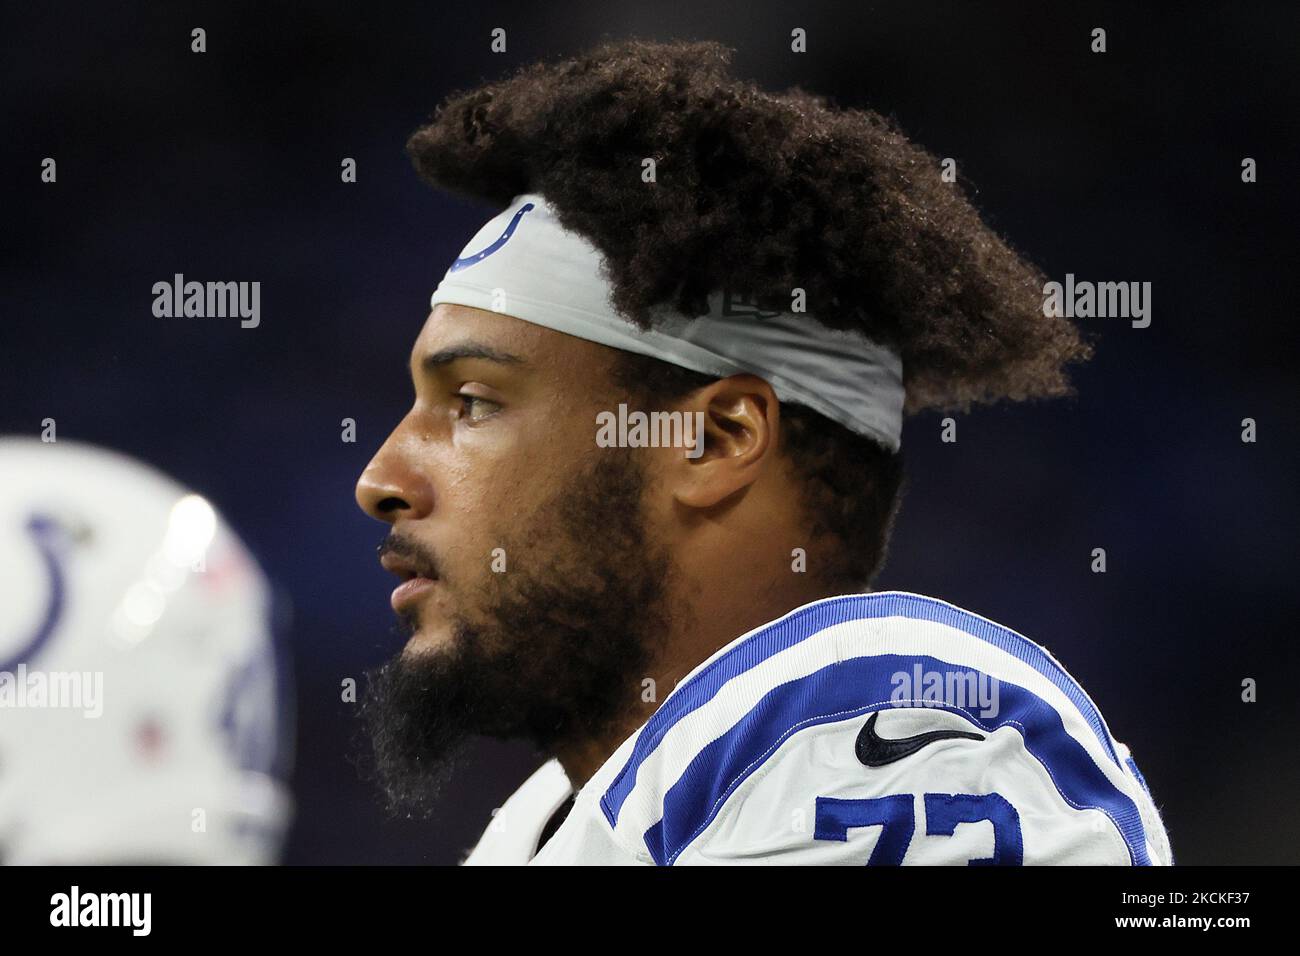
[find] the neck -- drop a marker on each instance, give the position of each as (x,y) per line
(694,636)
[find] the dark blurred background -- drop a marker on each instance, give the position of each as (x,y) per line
(1122,166)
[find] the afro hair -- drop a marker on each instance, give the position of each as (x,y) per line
(760,193)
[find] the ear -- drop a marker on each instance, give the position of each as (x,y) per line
(741,417)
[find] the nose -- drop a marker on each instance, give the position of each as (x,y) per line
(393,485)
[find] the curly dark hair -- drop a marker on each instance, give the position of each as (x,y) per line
(763,193)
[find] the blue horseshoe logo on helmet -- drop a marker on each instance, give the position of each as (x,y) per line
(49,538)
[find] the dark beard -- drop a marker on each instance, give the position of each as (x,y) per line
(571,629)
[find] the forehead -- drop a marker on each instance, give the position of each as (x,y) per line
(540,347)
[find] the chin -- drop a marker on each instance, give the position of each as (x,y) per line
(428,639)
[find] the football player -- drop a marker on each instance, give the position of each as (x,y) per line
(682,622)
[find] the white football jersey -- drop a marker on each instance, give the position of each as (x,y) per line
(870,729)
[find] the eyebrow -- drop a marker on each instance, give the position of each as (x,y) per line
(467,350)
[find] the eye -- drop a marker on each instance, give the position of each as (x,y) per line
(476,407)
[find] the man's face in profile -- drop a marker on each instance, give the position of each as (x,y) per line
(531,588)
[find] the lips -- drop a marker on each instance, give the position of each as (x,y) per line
(405,568)
(416,579)
(410,591)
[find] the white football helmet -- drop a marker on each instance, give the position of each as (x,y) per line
(144,716)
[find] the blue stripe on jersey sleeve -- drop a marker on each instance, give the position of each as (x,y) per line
(1132,765)
(855,687)
(804,623)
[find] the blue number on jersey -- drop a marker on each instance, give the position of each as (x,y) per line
(943,812)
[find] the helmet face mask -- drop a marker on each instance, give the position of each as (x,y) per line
(143,702)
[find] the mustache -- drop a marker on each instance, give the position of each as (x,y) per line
(422,560)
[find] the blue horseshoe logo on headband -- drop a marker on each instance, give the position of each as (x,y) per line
(467,261)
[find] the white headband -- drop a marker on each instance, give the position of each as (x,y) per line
(523,263)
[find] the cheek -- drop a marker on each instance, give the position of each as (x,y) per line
(495,484)
(488,498)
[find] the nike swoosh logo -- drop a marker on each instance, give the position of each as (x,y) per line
(875,751)
(467,261)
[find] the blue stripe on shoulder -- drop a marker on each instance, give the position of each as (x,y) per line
(807,621)
(857,686)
